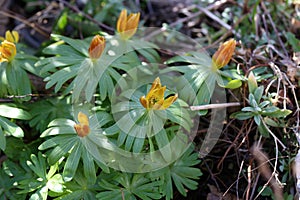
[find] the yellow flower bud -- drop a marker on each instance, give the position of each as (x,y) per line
(83,128)
(7,51)
(155,97)
(127,25)
(12,36)
(97,47)
(224,54)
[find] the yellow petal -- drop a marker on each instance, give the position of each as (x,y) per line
(9,36)
(83,119)
(16,36)
(144,102)
(131,26)
(122,21)
(223,54)
(159,93)
(156,83)
(7,50)
(155,97)
(127,25)
(169,101)
(82,128)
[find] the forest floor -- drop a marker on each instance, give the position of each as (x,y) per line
(268,36)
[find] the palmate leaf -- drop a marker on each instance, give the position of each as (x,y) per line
(79,188)
(66,143)
(14,78)
(65,63)
(44,181)
(128,186)
(46,110)
(7,127)
(197,84)
(180,173)
(11,173)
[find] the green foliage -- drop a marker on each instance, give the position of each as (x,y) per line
(293,41)
(181,173)
(260,109)
(128,186)
(43,180)
(14,78)
(46,110)
(8,127)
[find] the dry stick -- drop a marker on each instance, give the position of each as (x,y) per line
(249,181)
(213,106)
(210,7)
(297,106)
(233,143)
(237,183)
(217,19)
(274,28)
(262,159)
(32,25)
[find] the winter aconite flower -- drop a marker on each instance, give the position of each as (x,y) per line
(224,54)
(96,47)
(155,98)
(7,51)
(127,25)
(83,128)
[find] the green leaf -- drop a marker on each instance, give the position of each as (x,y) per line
(13,112)
(258,93)
(277,113)
(242,115)
(62,149)
(233,84)
(293,41)
(263,130)
(2,140)
(248,109)
(11,128)
(271,122)
(257,119)
(55,183)
(88,167)
(44,111)
(38,165)
(181,173)
(62,21)
(18,81)
(79,45)
(163,145)
(72,161)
